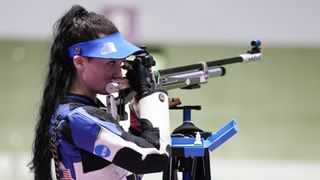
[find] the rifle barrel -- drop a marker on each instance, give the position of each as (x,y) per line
(211,64)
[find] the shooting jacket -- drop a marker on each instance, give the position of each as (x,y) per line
(93,146)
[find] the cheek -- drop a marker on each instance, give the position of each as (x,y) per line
(97,79)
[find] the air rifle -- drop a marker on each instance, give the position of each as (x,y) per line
(191,76)
(184,77)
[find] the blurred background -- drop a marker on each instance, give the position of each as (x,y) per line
(276,102)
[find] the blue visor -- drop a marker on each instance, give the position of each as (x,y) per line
(111,47)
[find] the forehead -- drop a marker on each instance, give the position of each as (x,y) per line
(105,59)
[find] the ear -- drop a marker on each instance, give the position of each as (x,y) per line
(78,62)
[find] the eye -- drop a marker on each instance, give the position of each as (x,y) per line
(112,63)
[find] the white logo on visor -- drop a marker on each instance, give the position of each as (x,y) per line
(108,48)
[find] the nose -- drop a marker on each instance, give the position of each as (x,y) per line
(117,71)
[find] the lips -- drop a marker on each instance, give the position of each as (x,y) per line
(120,80)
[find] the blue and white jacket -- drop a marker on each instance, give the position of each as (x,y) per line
(93,146)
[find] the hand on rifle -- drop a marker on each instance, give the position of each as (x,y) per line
(139,76)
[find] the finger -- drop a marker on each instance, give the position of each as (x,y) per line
(127,65)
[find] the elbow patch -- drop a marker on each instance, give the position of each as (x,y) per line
(91,162)
(133,161)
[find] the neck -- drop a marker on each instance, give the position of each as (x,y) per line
(77,87)
(93,97)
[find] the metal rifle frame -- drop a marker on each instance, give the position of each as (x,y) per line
(191,76)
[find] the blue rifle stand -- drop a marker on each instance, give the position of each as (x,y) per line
(193,160)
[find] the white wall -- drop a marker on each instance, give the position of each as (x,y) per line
(211,21)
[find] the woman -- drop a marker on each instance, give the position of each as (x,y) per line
(84,140)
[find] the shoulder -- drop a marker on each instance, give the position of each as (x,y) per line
(85,123)
(91,112)
(93,117)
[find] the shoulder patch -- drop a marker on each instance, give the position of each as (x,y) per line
(102,150)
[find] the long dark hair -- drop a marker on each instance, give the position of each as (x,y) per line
(77,25)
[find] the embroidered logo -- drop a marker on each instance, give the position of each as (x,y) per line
(77,50)
(102,150)
(107,48)
(161,97)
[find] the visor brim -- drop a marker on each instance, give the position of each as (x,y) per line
(110,47)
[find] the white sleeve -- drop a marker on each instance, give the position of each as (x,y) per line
(155,108)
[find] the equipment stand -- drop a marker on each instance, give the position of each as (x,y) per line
(190,152)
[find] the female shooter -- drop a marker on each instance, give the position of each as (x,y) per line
(84,140)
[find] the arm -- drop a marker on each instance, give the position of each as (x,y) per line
(95,132)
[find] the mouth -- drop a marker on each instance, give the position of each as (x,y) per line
(120,80)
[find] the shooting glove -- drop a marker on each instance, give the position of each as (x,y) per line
(139,77)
